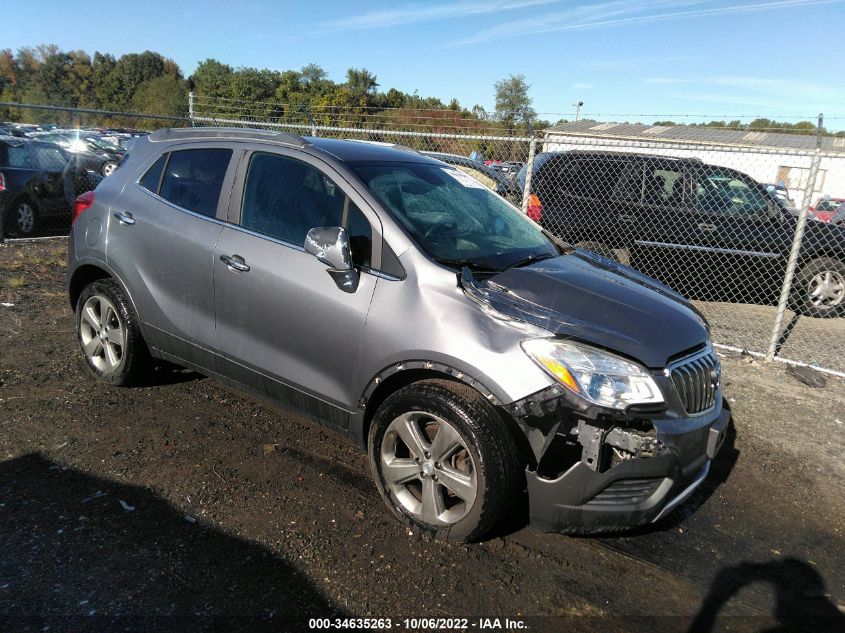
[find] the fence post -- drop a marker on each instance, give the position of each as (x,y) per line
(529,168)
(792,263)
(191,107)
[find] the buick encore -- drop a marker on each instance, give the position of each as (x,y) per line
(403,304)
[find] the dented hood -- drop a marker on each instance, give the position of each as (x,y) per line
(588,297)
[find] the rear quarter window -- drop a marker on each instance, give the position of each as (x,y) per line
(152,179)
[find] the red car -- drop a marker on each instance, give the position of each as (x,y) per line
(827,208)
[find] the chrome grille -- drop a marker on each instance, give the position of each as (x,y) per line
(696,381)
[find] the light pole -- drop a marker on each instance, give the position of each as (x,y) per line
(577,105)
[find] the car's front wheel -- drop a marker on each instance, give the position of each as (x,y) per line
(444,460)
(819,288)
(108,334)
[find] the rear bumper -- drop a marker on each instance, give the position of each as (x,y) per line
(634,492)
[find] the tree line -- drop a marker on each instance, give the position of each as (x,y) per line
(148,82)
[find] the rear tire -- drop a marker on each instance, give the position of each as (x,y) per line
(819,288)
(444,460)
(21,218)
(108,335)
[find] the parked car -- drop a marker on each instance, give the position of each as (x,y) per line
(828,209)
(493,178)
(37,183)
(509,168)
(708,231)
(408,307)
(89,151)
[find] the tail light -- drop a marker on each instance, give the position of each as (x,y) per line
(82,203)
(2,182)
(535,208)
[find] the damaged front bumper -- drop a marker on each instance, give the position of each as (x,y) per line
(594,471)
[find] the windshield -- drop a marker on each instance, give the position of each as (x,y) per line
(454,218)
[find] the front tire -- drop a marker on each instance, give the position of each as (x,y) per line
(444,460)
(108,335)
(819,288)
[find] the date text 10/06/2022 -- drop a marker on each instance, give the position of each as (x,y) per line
(417,624)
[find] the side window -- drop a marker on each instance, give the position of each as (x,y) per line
(664,185)
(360,237)
(285,198)
(629,187)
(19,157)
(152,178)
(193,179)
(726,194)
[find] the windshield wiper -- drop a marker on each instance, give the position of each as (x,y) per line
(469,263)
(531,259)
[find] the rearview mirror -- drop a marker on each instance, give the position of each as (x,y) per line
(330,245)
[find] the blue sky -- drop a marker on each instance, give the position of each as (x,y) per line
(775,58)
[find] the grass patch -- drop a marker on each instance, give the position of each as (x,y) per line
(16,282)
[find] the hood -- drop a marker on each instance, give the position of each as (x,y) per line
(598,301)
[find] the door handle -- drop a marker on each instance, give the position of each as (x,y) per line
(704,226)
(235,263)
(626,217)
(124,217)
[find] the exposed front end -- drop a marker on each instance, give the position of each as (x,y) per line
(601,469)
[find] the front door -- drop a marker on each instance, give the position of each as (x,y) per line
(284,327)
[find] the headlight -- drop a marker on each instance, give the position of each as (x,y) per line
(596,376)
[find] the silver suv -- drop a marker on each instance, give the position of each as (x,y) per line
(403,304)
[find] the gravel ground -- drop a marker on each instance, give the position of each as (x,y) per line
(185,506)
(819,342)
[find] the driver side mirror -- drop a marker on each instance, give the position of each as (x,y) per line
(330,245)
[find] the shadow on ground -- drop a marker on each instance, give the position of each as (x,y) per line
(72,557)
(801,601)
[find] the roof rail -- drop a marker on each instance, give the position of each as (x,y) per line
(186,133)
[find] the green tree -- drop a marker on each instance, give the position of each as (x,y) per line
(312,74)
(162,95)
(361,80)
(512,100)
(212,79)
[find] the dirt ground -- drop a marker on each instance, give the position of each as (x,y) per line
(185,506)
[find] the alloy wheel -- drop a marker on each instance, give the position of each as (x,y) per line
(102,333)
(25,218)
(428,468)
(827,289)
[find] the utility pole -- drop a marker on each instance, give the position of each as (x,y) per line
(577,105)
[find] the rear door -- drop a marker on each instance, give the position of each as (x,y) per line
(160,241)
(284,327)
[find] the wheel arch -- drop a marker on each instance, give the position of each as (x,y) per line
(90,271)
(399,375)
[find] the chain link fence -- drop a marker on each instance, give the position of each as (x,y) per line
(745,225)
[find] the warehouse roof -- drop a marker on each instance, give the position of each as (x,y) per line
(695,134)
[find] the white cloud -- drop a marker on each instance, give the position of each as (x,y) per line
(580,86)
(428,12)
(623,12)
